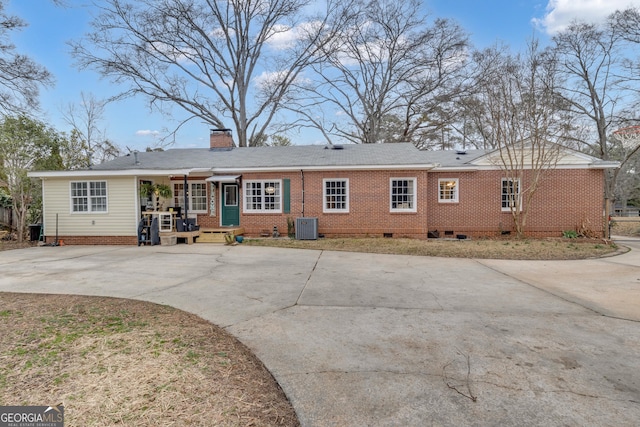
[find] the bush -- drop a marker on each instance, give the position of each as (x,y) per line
(570,234)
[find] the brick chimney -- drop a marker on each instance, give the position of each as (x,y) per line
(221,139)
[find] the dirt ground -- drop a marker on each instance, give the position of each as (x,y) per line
(131,363)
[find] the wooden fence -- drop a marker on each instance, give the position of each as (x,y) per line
(7,219)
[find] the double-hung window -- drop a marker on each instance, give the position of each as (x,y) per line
(448,190)
(403,195)
(263,196)
(511,194)
(196,196)
(336,195)
(88,196)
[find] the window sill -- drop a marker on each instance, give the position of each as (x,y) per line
(261,212)
(89,213)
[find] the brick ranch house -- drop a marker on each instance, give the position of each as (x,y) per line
(392,190)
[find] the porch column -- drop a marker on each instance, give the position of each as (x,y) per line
(186,198)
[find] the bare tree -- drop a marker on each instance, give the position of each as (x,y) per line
(89,140)
(473,126)
(20,77)
(601,87)
(216,60)
(627,22)
(387,70)
(625,146)
(590,61)
(525,125)
(625,142)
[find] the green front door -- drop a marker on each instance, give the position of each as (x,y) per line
(230,205)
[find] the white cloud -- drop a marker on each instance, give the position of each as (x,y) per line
(172,52)
(268,79)
(560,13)
(284,37)
(147,132)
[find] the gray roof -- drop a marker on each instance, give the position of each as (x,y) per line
(453,158)
(309,157)
(302,156)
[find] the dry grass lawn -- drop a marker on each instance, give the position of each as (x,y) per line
(525,249)
(123,362)
(626,226)
(131,363)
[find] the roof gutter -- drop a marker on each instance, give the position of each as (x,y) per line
(605,165)
(105,172)
(601,165)
(239,170)
(439,168)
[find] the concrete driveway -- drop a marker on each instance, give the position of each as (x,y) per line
(379,340)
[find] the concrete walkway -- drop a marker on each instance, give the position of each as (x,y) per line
(379,340)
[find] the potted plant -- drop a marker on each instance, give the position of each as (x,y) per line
(158,190)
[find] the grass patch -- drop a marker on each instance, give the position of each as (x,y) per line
(122,362)
(626,226)
(525,249)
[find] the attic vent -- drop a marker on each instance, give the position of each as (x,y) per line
(461,152)
(337,147)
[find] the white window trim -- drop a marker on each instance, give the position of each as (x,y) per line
(519,194)
(245,206)
(194,211)
(89,210)
(457,190)
(325,209)
(414,180)
(206,200)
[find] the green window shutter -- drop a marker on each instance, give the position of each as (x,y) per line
(286,195)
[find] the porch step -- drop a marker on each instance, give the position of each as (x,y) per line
(216,235)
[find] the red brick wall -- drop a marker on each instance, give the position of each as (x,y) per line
(220,138)
(565,200)
(368,205)
(208,221)
(94,240)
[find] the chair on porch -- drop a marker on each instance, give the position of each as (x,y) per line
(187,225)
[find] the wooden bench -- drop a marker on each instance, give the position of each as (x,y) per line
(189,236)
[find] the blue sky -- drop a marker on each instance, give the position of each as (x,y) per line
(130,125)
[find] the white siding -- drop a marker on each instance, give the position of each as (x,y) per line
(119,220)
(563,159)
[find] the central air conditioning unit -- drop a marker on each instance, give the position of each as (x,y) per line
(306,228)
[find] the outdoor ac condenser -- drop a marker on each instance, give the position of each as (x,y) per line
(306,228)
